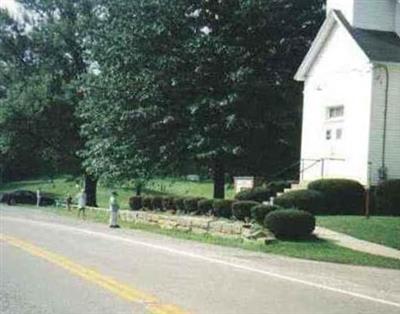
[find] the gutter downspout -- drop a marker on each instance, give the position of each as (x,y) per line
(383,169)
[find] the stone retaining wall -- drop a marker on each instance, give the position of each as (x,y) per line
(195,224)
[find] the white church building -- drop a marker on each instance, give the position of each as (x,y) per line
(351,75)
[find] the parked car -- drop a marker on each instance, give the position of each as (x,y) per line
(24,197)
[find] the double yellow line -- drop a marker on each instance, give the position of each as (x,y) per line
(120,289)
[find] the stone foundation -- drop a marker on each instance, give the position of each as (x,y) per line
(195,224)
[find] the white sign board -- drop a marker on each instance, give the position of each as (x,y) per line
(243,183)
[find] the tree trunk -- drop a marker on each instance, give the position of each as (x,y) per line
(219,179)
(90,190)
(138,189)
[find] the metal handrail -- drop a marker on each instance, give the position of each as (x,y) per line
(317,161)
(295,164)
(302,170)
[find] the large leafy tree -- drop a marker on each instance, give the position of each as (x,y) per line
(43,58)
(245,62)
(133,109)
(207,80)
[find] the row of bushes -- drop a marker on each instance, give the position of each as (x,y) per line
(284,223)
(343,197)
(218,207)
(387,198)
(261,194)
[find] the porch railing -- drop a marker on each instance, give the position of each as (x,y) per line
(315,162)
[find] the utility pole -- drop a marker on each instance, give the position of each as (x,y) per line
(368,192)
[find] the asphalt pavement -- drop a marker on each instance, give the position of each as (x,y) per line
(53,264)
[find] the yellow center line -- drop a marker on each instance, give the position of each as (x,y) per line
(122,290)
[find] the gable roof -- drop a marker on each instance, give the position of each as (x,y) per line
(378,46)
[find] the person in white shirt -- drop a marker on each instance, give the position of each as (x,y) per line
(38,197)
(82,204)
(114,208)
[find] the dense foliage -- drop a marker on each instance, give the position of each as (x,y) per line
(168,203)
(205,206)
(179,203)
(387,198)
(259,212)
(341,196)
(147,203)
(135,203)
(308,200)
(191,204)
(223,208)
(242,209)
(125,90)
(157,203)
(258,194)
(42,58)
(278,186)
(290,223)
(213,76)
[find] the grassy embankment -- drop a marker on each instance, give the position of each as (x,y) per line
(314,249)
(62,186)
(381,230)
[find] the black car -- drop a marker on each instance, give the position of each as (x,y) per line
(24,197)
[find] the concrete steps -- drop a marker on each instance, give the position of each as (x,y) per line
(294,187)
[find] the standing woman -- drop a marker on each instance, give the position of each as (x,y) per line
(114,208)
(38,197)
(82,203)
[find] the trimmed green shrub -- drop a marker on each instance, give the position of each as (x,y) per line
(205,206)
(309,200)
(157,203)
(223,208)
(278,186)
(387,198)
(168,203)
(290,224)
(259,212)
(242,209)
(179,203)
(147,202)
(190,204)
(342,196)
(258,194)
(135,203)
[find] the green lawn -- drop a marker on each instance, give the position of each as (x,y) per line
(64,185)
(313,249)
(382,230)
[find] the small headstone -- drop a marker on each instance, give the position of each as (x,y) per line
(193,177)
(243,183)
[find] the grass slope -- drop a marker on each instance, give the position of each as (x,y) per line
(381,230)
(313,249)
(61,186)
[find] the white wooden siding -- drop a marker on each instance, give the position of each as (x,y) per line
(341,75)
(393,123)
(375,14)
(397,18)
(367,14)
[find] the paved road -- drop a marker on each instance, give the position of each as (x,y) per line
(52,264)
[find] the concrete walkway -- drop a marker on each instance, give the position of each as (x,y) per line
(356,244)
